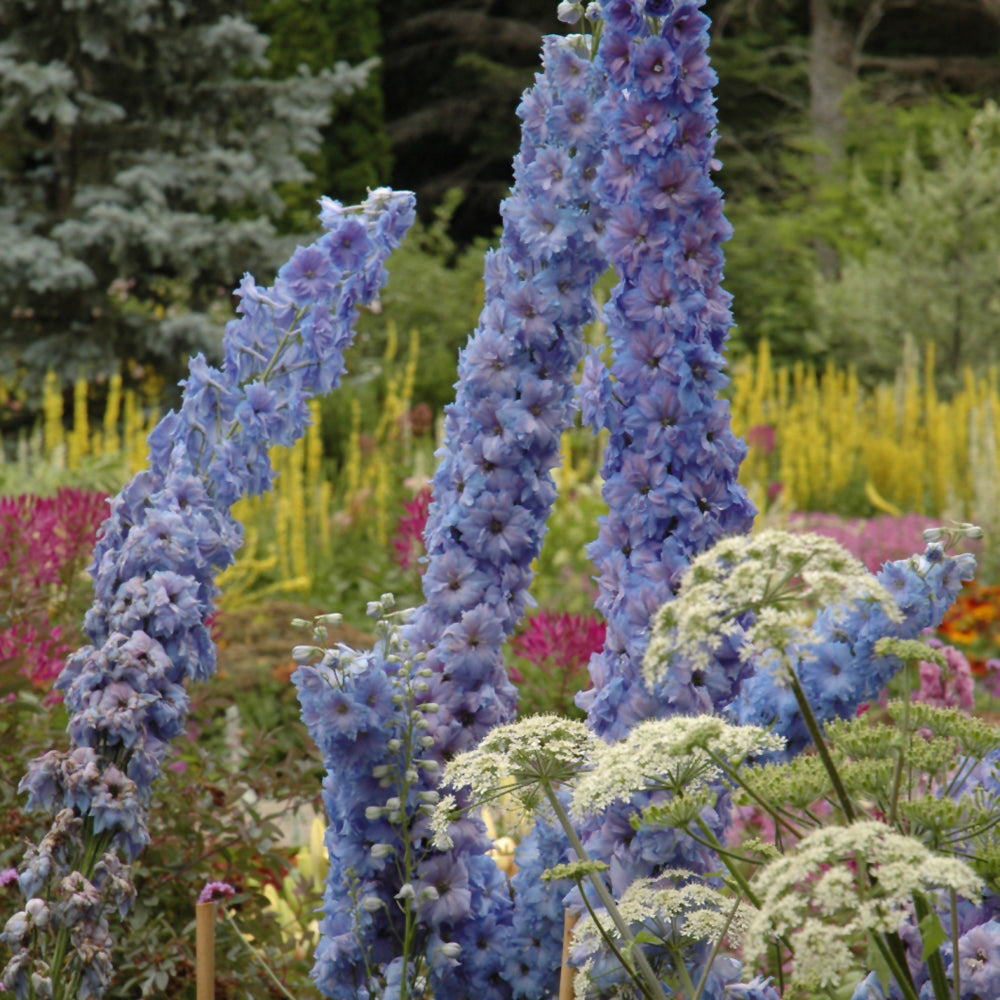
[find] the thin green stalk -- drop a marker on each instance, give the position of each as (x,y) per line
(821,748)
(612,947)
(712,842)
(715,951)
(955,964)
(641,962)
(778,815)
(935,965)
(900,974)
(257,955)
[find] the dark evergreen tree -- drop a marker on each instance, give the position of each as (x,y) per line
(453,73)
(810,92)
(329,34)
(141,143)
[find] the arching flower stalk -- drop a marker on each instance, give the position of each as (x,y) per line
(169,533)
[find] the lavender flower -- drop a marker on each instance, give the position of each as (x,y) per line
(170,531)
(493,490)
(492,494)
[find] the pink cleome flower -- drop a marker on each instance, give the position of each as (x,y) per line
(408,542)
(562,641)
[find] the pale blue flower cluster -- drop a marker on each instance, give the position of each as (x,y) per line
(840,671)
(169,532)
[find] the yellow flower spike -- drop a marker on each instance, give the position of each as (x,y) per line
(79,437)
(391,342)
(53,436)
(352,463)
(112,415)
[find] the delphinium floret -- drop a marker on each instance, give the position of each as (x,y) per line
(671,461)
(493,488)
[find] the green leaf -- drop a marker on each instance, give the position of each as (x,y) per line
(932,933)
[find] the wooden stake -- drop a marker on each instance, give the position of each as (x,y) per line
(567,974)
(205,950)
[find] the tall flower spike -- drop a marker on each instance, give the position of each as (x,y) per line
(493,490)
(170,531)
(492,494)
(671,463)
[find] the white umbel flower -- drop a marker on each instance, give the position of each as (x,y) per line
(840,885)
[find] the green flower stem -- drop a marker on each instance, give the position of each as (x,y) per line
(892,942)
(712,842)
(821,748)
(642,965)
(682,973)
(610,942)
(900,973)
(780,816)
(715,951)
(94,846)
(257,955)
(935,965)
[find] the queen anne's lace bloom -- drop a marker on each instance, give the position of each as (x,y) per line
(818,895)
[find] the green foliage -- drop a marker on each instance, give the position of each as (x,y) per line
(354,153)
(929,272)
(24,468)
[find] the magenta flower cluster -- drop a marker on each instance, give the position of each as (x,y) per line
(44,544)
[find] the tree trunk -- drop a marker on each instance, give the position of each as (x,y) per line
(831,72)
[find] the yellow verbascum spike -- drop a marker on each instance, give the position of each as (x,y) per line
(78,444)
(112,416)
(53,435)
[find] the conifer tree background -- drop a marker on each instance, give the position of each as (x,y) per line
(142,143)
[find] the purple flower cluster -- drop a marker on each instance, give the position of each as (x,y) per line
(394,909)
(840,671)
(170,531)
(671,463)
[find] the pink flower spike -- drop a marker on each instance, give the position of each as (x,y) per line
(8,877)
(215,891)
